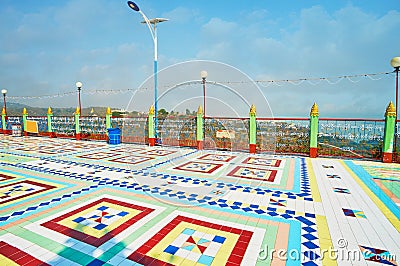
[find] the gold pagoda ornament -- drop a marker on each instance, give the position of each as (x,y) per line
(49,111)
(151,110)
(390,110)
(200,110)
(252,109)
(314,110)
(108,112)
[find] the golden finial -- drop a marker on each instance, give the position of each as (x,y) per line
(3,112)
(24,112)
(108,112)
(200,110)
(390,110)
(77,111)
(253,109)
(314,110)
(49,111)
(151,110)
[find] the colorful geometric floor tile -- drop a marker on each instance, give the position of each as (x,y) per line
(11,255)
(387,178)
(131,159)
(354,213)
(99,221)
(199,167)
(333,176)
(218,192)
(341,190)
(157,152)
(56,151)
(278,202)
(5,177)
(98,155)
(263,161)
(154,213)
(22,189)
(217,157)
(187,241)
(378,255)
(254,173)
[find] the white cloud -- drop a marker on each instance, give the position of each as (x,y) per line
(105,46)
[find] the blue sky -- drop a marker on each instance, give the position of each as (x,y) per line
(46,46)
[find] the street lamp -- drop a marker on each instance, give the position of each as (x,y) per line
(153,32)
(395,62)
(79,86)
(203,75)
(4,92)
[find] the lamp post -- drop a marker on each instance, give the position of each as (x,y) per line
(4,92)
(79,86)
(395,62)
(203,75)
(153,32)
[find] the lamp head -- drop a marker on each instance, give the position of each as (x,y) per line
(203,74)
(79,85)
(133,6)
(395,62)
(4,91)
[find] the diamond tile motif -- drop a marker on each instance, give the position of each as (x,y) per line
(186,241)
(199,167)
(99,221)
(378,255)
(333,176)
(99,155)
(278,202)
(354,213)
(263,161)
(217,157)
(22,189)
(254,173)
(131,159)
(157,152)
(341,190)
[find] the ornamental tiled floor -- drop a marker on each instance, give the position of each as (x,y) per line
(67,202)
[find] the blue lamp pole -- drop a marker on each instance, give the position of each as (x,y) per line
(153,32)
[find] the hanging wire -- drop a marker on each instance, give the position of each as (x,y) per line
(263,83)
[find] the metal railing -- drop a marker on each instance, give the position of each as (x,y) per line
(337,137)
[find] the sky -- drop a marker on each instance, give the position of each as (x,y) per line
(281,56)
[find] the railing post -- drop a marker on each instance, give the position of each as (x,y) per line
(199,128)
(314,131)
(108,118)
(152,139)
(50,132)
(108,121)
(390,122)
(24,118)
(77,125)
(3,121)
(253,130)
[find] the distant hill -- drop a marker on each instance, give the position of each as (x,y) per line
(15,109)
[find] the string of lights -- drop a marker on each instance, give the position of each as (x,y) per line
(264,83)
